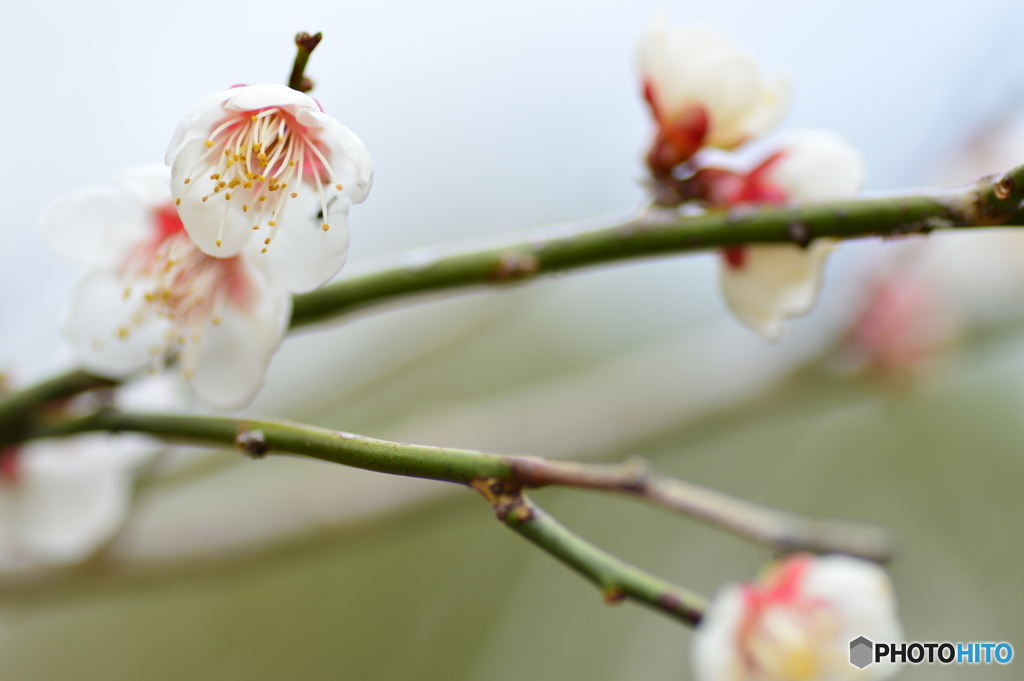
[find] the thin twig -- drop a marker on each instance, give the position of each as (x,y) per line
(616,578)
(779,530)
(304,44)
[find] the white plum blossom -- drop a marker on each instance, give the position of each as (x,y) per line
(703,91)
(767,284)
(796,623)
(61,499)
(266,159)
(151,295)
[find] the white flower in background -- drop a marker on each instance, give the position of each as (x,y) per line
(62,499)
(267,159)
(703,92)
(767,284)
(150,294)
(796,623)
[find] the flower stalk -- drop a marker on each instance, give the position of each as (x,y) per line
(305,44)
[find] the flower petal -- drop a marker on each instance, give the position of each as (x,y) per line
(148,185)
(302,256)
(213,220)
(70,497)
(774,282)
(695,65)
(348,155)
(97,312)
(233,355)
(265,95)
(95,227)
(198,122)
(818,165)
(860,591)
(713,644)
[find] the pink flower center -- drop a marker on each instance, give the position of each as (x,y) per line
(785,635)
(180,284)
(10,465)
(259,159)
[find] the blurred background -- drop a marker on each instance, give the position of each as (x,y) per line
(897,401)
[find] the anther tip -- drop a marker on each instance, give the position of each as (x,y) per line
(326,226)
(218,242)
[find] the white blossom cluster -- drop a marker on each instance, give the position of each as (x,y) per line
(706,94)
(193,264)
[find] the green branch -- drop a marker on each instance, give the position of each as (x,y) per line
(495,475)
(663,232)
(481,471)
(16,408)
(653,232)
(616,578)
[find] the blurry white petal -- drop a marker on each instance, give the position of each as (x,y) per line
(160,392)
(861,591)
(714,655)
(100,328)
(69,498)
(818,165)
(695,65)
(148,185)
(95,227)
(775,282)
(233,355)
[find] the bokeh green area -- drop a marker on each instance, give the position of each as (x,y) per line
(444,592)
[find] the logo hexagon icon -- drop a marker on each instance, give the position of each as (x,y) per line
(860,652)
